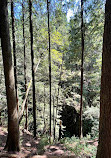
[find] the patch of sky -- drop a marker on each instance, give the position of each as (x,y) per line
(71,11)
(17,10)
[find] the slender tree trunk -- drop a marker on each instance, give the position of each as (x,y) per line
(53,119)
(61,70)
(32,59)
(0,118)
(14,46)
(104,147)
(49,65)
(82,61)
(44,107)
(60,130)
(60,83)
(26,116)
(25,79)
(0,111)
(56,109)
(1,77)
(13,125)
(26,95)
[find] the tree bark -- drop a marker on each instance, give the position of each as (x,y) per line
(32,60)
(14,45)
(13,125)
(82,61)
(104,147)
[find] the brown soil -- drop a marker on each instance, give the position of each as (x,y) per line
(30,146)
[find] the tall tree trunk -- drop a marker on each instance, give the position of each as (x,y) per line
(59,84)
(25,79)
(0,118)
(13,125)
(82,58)
(26,95)
(44,107)
(53,119)
(104,148)
(32,59)
(49,64)
(56,109)
(60,130)
(1,111)
(14,46)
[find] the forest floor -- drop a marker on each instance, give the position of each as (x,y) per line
(32,148)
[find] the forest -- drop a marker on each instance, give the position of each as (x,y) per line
(55,78)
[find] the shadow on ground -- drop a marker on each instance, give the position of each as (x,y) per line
(3,137)
(30,147)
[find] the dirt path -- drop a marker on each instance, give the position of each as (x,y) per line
(30,148)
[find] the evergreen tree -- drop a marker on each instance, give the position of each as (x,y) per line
(105,101)
(49,59)
(32,60)
(82,63)
(12,143)
(14,46)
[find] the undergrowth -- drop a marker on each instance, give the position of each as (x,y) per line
(43,142)
(82,148)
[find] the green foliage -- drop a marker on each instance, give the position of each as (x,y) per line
(92,114)
(82,148)
(66,65)
(43,142)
